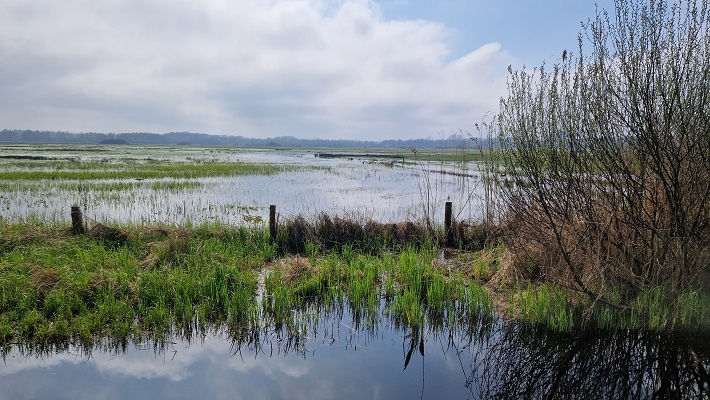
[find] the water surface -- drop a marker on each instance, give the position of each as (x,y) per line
(490,358)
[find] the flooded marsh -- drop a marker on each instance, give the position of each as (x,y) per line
(139,185)
(197,300)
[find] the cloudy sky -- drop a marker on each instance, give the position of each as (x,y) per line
(356,69)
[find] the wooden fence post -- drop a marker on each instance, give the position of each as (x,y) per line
(447,224)
(272,221)
(77,221)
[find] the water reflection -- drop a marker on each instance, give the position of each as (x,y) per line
(331,356)
(527,362)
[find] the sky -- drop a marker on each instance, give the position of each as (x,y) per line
(327,69)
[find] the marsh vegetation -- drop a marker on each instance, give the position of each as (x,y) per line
(579,238)
(173,295)
(143,185)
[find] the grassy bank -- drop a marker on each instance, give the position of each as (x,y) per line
(159,281)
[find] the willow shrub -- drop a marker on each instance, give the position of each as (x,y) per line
(608,154)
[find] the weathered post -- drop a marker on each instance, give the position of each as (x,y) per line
(272,221)
(77,221)
(447,224)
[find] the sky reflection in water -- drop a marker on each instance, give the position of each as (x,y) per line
(496,359)
(339,363)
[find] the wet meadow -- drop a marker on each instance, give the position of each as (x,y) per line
(178,288)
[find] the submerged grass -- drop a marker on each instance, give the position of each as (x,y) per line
(407,155)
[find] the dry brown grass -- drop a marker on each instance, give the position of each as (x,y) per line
(371,236)
(408,232)
(108,234)
(601,247)
(479,266)
(25,234)
(43,280)
(476,235)
(295,269)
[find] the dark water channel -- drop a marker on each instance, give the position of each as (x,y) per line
(334,357)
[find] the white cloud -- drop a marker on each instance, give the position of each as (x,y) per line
(306,68)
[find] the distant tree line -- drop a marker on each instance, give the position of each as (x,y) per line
(453,141)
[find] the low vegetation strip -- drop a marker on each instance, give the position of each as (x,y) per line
(88,170)
(134,282)
(410,155)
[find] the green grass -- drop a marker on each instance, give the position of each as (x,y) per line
(63,289)
(546,304)
(656,309)
(93,170)
(58,288)
(652,309)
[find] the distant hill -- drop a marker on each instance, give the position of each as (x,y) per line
(201,139)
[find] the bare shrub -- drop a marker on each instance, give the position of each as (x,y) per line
(608,153)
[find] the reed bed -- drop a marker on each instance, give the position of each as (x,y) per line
(334,233)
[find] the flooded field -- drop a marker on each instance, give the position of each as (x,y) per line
(381,331)
(126,185)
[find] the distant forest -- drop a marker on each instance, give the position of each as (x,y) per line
(200,139)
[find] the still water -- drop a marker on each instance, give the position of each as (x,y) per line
(489,358)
